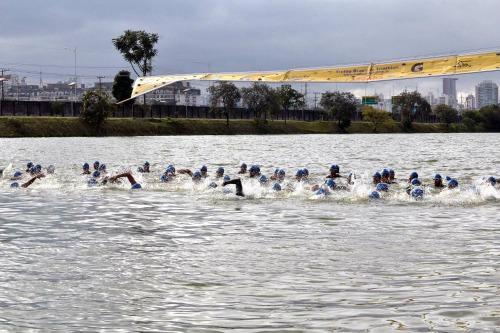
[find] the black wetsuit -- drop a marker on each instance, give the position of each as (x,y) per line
(239,186)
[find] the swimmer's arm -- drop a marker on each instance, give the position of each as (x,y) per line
(129,176)
(185,171)
(239,186)
(32,180)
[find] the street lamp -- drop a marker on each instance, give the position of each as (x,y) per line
(72,84)
(2,79)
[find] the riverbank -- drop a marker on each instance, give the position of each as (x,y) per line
(11,127)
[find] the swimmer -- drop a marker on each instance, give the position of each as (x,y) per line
(144,168)
(438,181)
(492,181)
(28,183)
(382,187)
(334,171)
(169,173)
(414,183)
(279,175)
(134,185)
(102,168)
(239,186)
(254,171)
(86,169)
(29,166)
(392,177)
(243,169)
(204,171)
(374,195)
(17,175)
(417,193)
(37,169)
(263,180)
(386,176)
(96,165)
(377,178)
(220,172)
(413,175)
(452,183)
(275,174)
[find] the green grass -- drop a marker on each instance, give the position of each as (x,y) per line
(68,127)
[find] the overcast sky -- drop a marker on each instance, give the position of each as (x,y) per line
(231,35)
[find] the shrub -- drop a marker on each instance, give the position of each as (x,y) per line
(95,108)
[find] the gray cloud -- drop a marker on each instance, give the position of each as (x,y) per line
(241,35)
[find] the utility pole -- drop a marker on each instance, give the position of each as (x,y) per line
(3,72)
(100,83)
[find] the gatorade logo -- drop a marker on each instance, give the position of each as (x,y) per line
(417,67)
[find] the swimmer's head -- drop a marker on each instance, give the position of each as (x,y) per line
(170,169)
(377,176)
(437,176)
(51,169)
(453,183)
(165,177)
(96,165)
(96,174)
(14,185)
(197,176)
(438,180)
(254,170)
(219,172)
(417,193)
(102,167)
(416,182)
(276,187)
(374,195)
(392,174)
(227,178)
(243,167)
(299,173)
(382,187)
(85,166)
(413,175)
(17,174)
(38,168)
(330,183)
(334,168)
(448,178)
(29,165)
(263,180)
(204,169)
(492,181)
(305,172)
(212,185)
(136,186)
(385,173)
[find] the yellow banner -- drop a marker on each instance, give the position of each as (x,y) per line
(418,68)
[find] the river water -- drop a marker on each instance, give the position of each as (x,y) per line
(182,257)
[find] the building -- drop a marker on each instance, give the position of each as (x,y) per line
(431,99)
(486,94)
(470,102)
(450,90)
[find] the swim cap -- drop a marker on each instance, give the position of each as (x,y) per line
(96,164)
(321,191)
(212,185)
(453,183)
(136,186)
(255,169)
(492,181)
(385,173)
(416,182)
(14,185)
(140,169)
(146,163)
(382,187)
(96,174)
(220,171)
(448,178)
(391,172)
(438,177)
(377,175)
(300,173)
(305,172)
(374,195)
(334,167)
(51,169)
(413,175)
(29,165)
(276,171)
(263,179)
(18,174)
(243,165)
(85,166)
(204,168)
(92,182)
(281,173)
(276,187)
(227,178)
(197,175)
(102,167)
(171,169)
(38,168)
(417,193)
(330,183)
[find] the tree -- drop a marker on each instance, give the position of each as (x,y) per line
(341,105)
(490,117)
(122,86)
(375,116)
(289,98)
(471,119)
(261,99)
(446,114)
(410,105)
(225,94)
(95,108)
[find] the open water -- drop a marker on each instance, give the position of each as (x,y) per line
(185,258)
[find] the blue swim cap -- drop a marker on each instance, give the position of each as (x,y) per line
(14,185)
(321,191)
(453,183)
(334,167)
(96,174)
(38,168)
(136,186)
(85,166)
(164,178)
(243,165)
(212,185)
(374,195)
(417,193)
(305,172)
(220,171)
(391,172)
(416,182)
(330,183)
(146,163)
(204,168)
(102,167)
(438,177)
(413,175)
(92,182)
(448,178)
(263,179)
(281,172)
(29,165)
(377,175)
(382,187)
(276,171)
(18,174)
(51,169)
(385,173)
(492,181)
(96,164)
(276,187)
(300,173)
(170,169)
(255,169)
(197,175)
(227,178)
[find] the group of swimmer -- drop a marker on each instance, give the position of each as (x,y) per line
(333,180)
